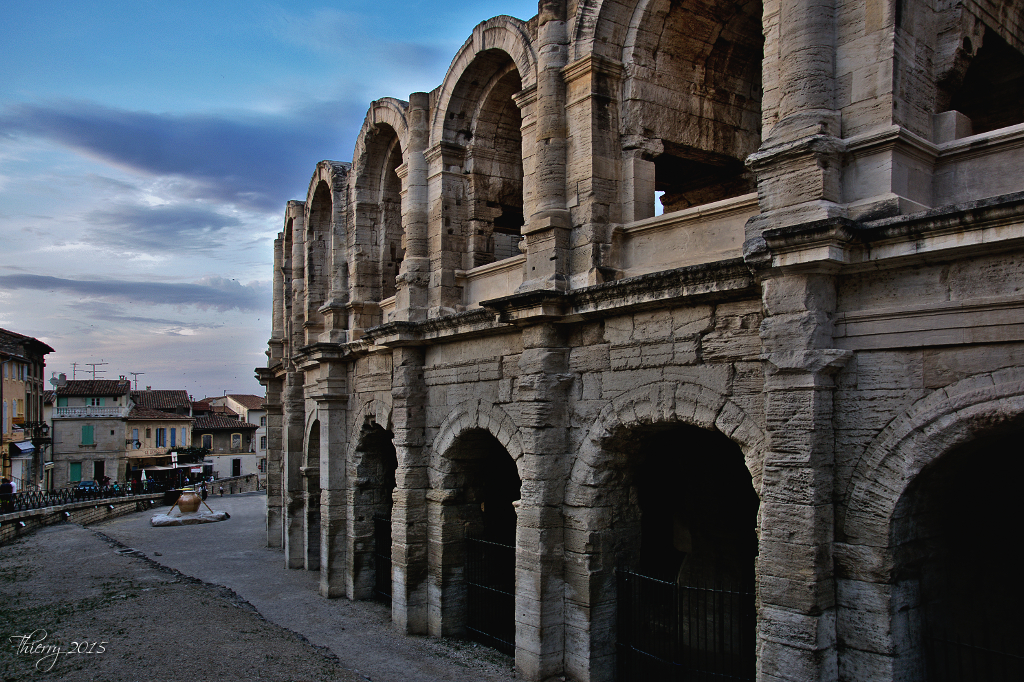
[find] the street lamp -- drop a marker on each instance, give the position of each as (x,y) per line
(40,439)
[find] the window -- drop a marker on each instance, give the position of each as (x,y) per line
(236,441)
(263,442)
(94,402)
(135,434)
(87,435)
(263,421)
(149,432)
(174,438)
(62,402)
(75,472)
(161,438)
(208,441)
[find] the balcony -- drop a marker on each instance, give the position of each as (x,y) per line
(86,412)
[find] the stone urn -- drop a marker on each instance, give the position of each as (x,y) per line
(189,502)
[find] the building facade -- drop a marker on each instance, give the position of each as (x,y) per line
(230,442)
(89,431)
(23,363)
(800,384)
(249,409)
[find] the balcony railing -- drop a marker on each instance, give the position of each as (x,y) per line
(89,412)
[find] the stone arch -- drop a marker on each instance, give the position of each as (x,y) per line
(372,464)
(599,27)
(708,56)
(310,471)
(687,403)
(941,422)
(594,501)
(378,195)
(325,247)
(502,33)
(933,425)
(476,414)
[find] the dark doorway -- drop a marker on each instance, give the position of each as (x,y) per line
(686,594)
(236,467)
(955,532)
(98,472)
(377,464)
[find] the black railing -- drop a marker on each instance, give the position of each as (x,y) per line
(40,499)
(382,558)
(684,633)
(491,594)
(972,654)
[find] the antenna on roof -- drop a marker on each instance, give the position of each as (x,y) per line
(94,365)
(74,371)
(136,375)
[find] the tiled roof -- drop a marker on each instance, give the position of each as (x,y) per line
(219,422)
(95,387)
(162,400)
(14,343)
(48,397)
(249,402)
(149,413)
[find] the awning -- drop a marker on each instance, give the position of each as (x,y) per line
(23,447)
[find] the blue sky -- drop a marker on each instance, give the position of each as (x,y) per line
(147,151)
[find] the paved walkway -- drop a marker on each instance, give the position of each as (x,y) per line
(233,554)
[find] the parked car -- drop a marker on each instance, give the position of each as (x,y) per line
(84,487)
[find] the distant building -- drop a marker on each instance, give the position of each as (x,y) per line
(249,408)
(23,359)
(228,438)
(89,422)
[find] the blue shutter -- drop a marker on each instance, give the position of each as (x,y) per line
(173,437)
(87,434)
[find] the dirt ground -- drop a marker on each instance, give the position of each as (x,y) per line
(121,600)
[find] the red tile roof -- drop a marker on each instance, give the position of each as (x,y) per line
(150,414)
(162,399)
(218,422)
(95,387)
(248,401)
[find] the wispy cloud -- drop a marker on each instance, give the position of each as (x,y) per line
(209,293)
(250,160)
(160,228)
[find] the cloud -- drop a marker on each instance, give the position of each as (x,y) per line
(209,293)
(160,228)
(253,160)
(109,312)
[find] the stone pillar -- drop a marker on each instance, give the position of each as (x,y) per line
(294,421)
(414,275)
(798,166)
(548,229)
(332,406)
(275,443)
(409,514)
(541,396)
(796,619)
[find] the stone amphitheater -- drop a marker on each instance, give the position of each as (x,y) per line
(673,339)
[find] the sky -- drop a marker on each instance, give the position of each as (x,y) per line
(147,150)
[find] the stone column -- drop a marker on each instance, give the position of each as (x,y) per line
(541,396)
(292,488)
(798,166)
(275,448)
(409,514)
(414,275)
(332,405)
(796,620)
(548,229)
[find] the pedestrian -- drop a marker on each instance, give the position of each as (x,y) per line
(204,491)
(6,496)
(222,491)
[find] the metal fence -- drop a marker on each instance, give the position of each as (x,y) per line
(382,558)
(972,654)
(491,594)
(684,633)
(40,499)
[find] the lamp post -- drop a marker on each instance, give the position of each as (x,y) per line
(40,439)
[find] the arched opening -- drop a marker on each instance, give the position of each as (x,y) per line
(991,92)
(388,235)
(958,595)
(378,219)
(484,121)
(479,534)
(317,266)
(376,464)
(686,583)
(691,110)
(311,498)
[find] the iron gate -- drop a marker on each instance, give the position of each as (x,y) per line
(382,558)
(684,633)
(490,594)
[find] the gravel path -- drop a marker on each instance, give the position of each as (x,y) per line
(202,602)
